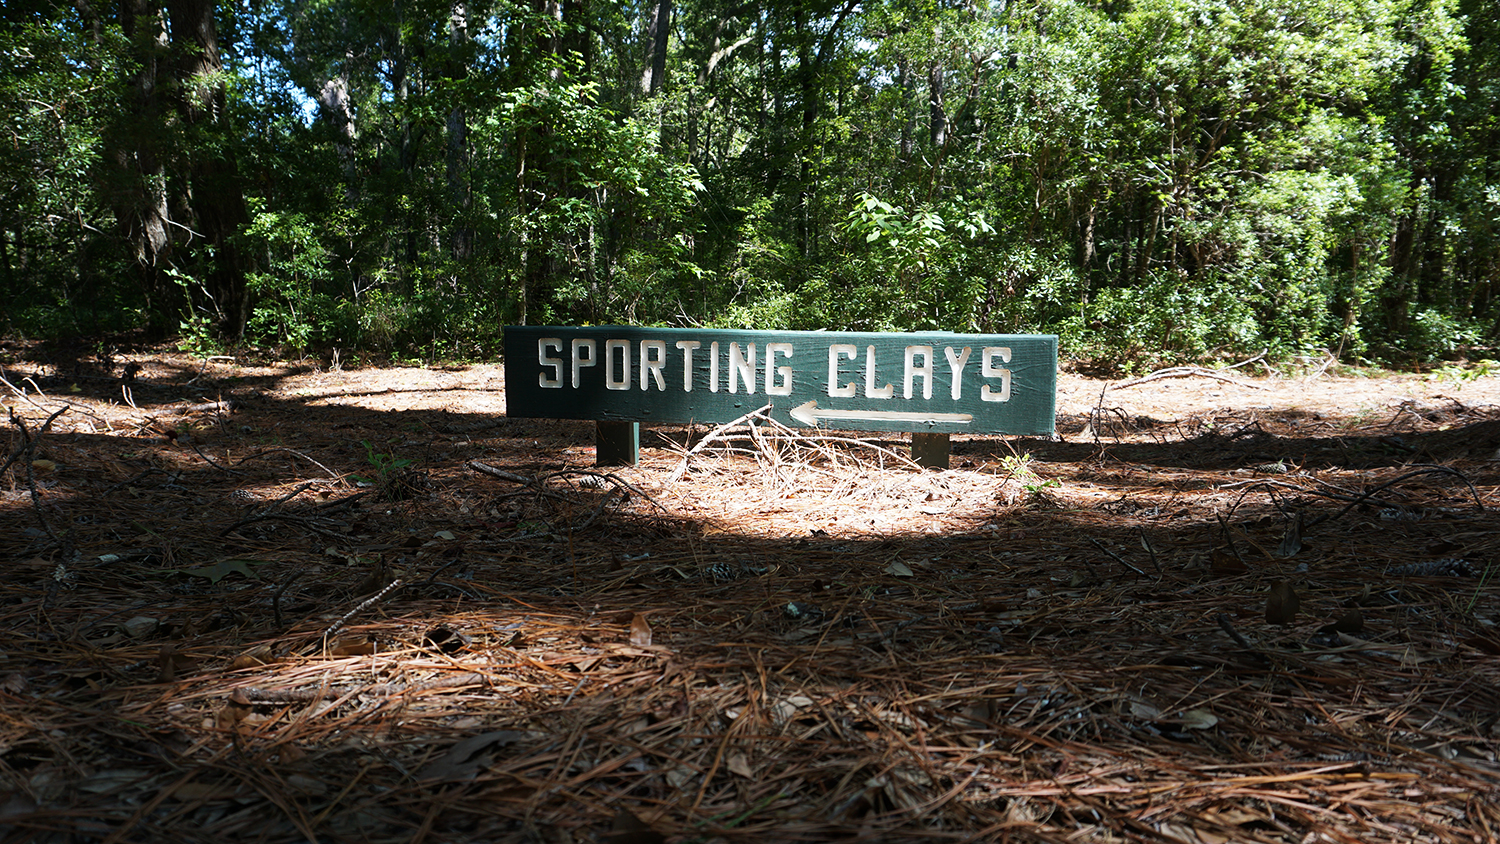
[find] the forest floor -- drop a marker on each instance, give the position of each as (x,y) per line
(1218,607)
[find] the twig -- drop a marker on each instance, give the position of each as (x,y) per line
(608,476)
(1425,470)
(1229,538)
(276,598)
(22,393)
(1097,413)
(710,437)
(331,473)
(501,474)
(341,503)
(208,407)
(1330,360)
(1185,372)
(27,451)
(1246,487)
(603,502)
(820,441)
(1146,541)
(1116,557)
(439,570)
(211,462)
(248,695)
(1228,627)
(1247,361)
(298,490)
(539,484)
(359,608)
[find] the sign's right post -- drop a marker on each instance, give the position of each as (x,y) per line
(930,451)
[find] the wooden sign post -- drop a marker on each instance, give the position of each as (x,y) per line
(932,384)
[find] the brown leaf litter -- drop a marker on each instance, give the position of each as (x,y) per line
(266,605)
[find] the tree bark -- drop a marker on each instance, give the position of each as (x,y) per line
(657,33)
(215,197)
(139,190)
(461,240)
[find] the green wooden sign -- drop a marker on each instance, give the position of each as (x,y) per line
(933,382)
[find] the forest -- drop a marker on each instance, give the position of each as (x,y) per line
(1151,180)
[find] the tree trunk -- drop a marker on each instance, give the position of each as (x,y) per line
(139,193)
(937,117)
(909,117)
(334,107)
(461,246)
(216,199)
(660,28)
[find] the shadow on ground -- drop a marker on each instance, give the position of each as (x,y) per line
(305,619)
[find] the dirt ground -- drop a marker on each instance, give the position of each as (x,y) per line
(293,602)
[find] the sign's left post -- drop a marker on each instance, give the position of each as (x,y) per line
(617,443)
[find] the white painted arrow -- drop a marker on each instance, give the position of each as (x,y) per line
(808,414)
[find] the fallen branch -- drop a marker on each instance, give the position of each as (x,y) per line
(1425,470)
(226,406)
(1184,372)
(255,695)
(359,608)
(538,483)
(501,473)
(331,473)
(26,452)
(763,413)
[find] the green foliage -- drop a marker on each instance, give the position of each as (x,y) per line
(1017,467)
(1154,180)
(1461,374)
(294,302)
(385,464)
(909,265)
(1169,319)
(198,337)
(393,480)
(1439,335)
(58,268)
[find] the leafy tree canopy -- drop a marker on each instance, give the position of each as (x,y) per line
(1151,179)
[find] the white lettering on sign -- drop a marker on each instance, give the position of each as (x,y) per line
(911,371)
(610,381)
(741,367)
(784,386)
(687,347)
(872,391)
(556,364)
(837,351)
(990,370)
(956,366)
(713,367)
(653,365)
(580,360)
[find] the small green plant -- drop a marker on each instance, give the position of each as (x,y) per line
(392,479)
(1484,580)
(198,337)
(1018,468)
(1459,374)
